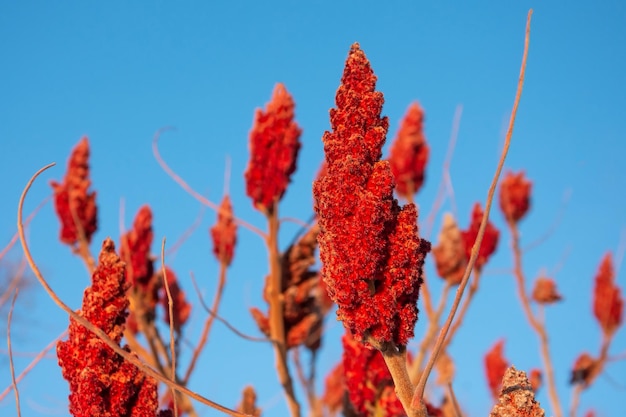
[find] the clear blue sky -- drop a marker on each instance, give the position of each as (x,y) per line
(119,71)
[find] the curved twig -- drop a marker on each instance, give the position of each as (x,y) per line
(419,390)
(33,363)
(224,321)
(191,191)
(11,366)
(96,330)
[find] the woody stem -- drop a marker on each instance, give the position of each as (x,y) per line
(538,327)
(277,323)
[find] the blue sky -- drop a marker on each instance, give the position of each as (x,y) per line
(119,71)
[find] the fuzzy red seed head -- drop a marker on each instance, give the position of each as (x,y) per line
(608,302)
(515,192)
(409,153)
(495,367)
(545,292)
(101,382)
(490,238)
(74,203)
(536,379)
(369,245)
(224,233)
(135,249)
(274,146)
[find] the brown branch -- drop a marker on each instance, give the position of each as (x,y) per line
(276,318)
(82,249)
(224,321)
(308,384)
(186,234)
(419,390)
(395,359)
(455,403)
(33,363)
(433,326)
(554,226)
(30,217)
(13,284)
(11,366)
(96,330)
(446,179)
(170,307)
(537,326)
(208,323)
(191,191)
(464,308)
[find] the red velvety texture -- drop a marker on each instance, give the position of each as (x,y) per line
(608,303)
(73,202)
(369,245)
(224,233)
(101,382)
(274,146)
(409,153)
(515,192)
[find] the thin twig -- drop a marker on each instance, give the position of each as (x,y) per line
(455,403)
(537,326)
(208,323)
(30,217)
(191,191)
(433,326)
(446,179)
(13,284)
(170,307)
(444,184)
(186,234)
(33,363)
(554,226)
(419,390)
(83,244)
(464,308)
(11,366)
(96,330)
(223,320)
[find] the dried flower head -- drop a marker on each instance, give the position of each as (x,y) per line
(409,153)
(304,305)
(489,242)
(248,402)
(608,303)
(515,192)
(274,147)
(135,249)
(586,368)
(545,291)
(224,233)
(369,245)
(181,308)
(449,254)
(74,203)
(495,367)
(517,397)
(102,383)
(445,369)
(535,379)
